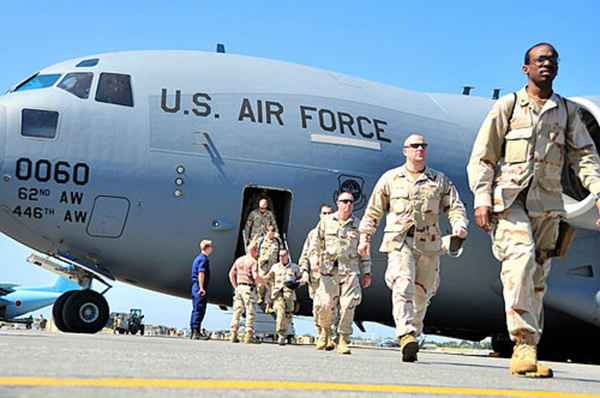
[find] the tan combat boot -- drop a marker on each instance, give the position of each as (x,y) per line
(234,337)
(249,338)
(323,340)
(332,343)
(343,342)
(524,362)
(409,347)
(281,340)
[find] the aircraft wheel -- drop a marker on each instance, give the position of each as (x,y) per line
(86,311)
(57,311)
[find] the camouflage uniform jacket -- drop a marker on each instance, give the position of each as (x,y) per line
(257,222)
(268,252)
(309,259)
(337,247)
(244,270)
(412,203)
(528,152)
(279,274)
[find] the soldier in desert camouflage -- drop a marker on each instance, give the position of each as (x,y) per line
(515,174)
(413,196)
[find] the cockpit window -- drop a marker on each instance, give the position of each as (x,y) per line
(38,81)
(87,63)
(114,88)
(77,84)
(38,123)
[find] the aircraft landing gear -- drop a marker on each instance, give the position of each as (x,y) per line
(80,311)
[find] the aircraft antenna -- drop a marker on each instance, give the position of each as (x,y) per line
(221,48)
(496,93)
(467,90)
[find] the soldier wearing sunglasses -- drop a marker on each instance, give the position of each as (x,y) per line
(343,270)
(413,196)
(515,173)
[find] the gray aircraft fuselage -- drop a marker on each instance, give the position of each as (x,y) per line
(129,191)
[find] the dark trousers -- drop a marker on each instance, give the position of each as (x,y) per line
(198,309)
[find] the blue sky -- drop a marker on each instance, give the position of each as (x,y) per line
(437,48)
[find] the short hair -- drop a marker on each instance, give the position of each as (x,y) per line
(345,192)
(527,60)
(205,243)
(324,205)
(283,252)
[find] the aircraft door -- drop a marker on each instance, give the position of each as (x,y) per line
(109,216)
(280,203)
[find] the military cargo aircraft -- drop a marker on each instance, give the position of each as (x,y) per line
(120,163)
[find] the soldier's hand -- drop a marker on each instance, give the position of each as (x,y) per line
(315,268)
(460,232)
(598,206)
(483,217)
(364,248)
(202,292)
(367,279)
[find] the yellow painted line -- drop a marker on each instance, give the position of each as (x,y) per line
(276,385)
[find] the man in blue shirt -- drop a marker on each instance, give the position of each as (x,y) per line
(200,281)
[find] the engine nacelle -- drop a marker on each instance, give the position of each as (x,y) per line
(579,204)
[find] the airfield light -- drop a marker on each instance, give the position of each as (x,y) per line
(180,169)
(178,193)
(179,181)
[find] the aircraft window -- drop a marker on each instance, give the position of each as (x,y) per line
(87,63)
(38,81)
(38,123)
(114,88)
(77,83)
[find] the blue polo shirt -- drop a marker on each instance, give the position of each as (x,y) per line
(200,264)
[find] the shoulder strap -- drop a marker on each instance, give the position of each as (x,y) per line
(512,108)
(510,116)
(564,100)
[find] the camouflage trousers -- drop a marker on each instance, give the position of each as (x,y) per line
(338,292)
(312,293)
(264,292)
(523,245)
(283,305)
(414,280)
(244,300)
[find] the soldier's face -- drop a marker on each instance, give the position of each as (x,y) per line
(543,65)
(284,258)
(262,205)
(415,150)
(345,203)
(326,211)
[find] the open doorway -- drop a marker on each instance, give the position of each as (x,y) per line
(280,203)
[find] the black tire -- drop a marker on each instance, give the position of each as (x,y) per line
(86,311)
(57,311)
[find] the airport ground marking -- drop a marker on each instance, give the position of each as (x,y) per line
(210,384)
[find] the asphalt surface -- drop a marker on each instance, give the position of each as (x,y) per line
(37,364)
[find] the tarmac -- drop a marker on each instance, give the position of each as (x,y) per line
(41,364)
